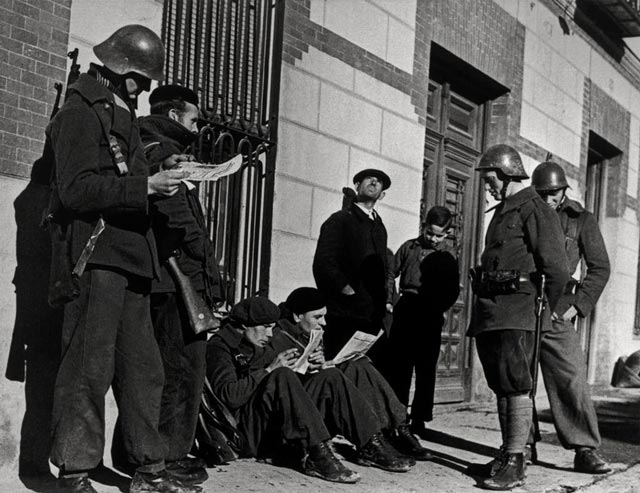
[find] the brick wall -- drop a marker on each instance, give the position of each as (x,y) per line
(34,36)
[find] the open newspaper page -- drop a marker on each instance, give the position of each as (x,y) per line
(357,346)
(315,338)
(211,172)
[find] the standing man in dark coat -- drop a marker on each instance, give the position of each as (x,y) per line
(524,240)
(429,286)
(561,357)
(249,365)
(107,336)
(180,230)
(350,265)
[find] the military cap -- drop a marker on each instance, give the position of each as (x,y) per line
(171,92)
(379,174)
(303,300)
(255,311)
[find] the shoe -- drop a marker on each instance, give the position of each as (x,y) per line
(406,443)
(588,461)
(76,485)
(187,471)
(489,469)
(378,453)
(160,482)
(508,476)
(320,462)
(418,428)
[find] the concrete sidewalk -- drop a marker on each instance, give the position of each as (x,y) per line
(459,436)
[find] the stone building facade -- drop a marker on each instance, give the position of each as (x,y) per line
(417,88)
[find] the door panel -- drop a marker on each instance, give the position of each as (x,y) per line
(453,143)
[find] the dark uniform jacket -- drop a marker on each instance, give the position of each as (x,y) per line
(352,249)
(524,235)
(178,221)
(235,367)
(583,239)
(89,185)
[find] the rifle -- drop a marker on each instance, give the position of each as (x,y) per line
(201,318)
(535,363)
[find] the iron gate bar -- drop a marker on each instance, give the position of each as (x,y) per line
(229,51)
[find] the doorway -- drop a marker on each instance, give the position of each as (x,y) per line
(458,101)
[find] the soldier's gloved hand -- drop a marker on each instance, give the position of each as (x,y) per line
(174,161)
(285,359)
(165,182)
(389,307)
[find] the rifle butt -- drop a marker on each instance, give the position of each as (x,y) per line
(201,318)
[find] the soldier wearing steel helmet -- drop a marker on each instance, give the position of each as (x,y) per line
(522,242)
(561,357)
(102,181)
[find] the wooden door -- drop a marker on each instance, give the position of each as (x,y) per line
(454,138)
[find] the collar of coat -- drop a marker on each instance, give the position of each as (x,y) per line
(362,215)
(163,128)
(294,330)
(571,207)
(91,90)
(518,199)
(230,335)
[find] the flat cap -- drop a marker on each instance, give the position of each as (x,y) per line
(379,174)
(255,311)
(171,92)
(303,300)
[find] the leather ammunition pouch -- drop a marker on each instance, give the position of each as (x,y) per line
(496,282)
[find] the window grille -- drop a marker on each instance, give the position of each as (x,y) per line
(229,52)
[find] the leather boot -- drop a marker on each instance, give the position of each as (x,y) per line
(80,484)
(510,474)
(378,453)
(159,482)
(489,469)
(320,462)
(406,443)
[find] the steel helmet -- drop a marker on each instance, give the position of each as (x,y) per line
(548,176)
(133,48)
(503,158)
(626,372)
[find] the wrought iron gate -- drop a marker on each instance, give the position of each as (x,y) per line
(229,52)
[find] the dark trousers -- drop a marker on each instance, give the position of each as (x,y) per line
(286,410)
(107,340)
(376,390)
(565,378)
(506,360)
(414,343)
(184,358)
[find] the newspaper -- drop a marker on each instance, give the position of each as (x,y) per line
(315,338)
(211,172)
(357,346)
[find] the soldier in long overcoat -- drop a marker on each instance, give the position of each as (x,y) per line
(561,356)
(524,241)
(107,337)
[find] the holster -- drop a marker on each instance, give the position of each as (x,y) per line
(201,318)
